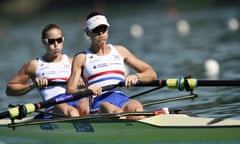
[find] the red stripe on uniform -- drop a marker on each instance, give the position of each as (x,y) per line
(61,78)
(107,72)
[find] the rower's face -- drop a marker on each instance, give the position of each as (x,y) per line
(99,35)
(54,42)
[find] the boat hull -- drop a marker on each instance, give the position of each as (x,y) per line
(112,130)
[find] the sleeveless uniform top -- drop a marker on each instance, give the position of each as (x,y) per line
(59,71)
(104,70)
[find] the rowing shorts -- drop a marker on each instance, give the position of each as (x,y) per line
(50,109)
(115,98)
(71,103)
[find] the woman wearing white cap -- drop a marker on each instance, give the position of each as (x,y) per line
(103,64)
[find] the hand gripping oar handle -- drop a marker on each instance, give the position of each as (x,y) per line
(56,83)
(180,83)
(72,97)
(21,111)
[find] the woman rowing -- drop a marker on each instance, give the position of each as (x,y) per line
(103,64)
(52,66)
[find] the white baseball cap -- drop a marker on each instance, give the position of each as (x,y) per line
(96,21)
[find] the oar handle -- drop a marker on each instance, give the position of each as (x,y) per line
(180,83)
(72,97)
(21,111)
(56,83)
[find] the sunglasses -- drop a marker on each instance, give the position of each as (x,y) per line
(53,41)
(100,29)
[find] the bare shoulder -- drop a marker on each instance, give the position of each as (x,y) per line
(32,63)
(79,58)
(30,67)
(122,50)
(80,55)
(120,47)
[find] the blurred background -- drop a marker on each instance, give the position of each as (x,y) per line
(176,37)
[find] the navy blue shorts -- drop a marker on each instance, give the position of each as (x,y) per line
(115,98)
(71,103)
(50,109)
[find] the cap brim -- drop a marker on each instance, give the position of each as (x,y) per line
(96,21)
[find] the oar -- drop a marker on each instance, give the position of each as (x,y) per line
(149,103)
(107,116)
(21,111)
(54,83)
(144,92)
(180,83)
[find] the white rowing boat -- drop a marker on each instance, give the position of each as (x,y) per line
(108,128)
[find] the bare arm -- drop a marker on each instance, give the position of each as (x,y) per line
(75,77)
(19,85)
(144,71)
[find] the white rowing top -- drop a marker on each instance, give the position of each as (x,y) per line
(59,71)
(104,70)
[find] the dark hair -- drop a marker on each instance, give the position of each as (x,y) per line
(92,14)
(47,28)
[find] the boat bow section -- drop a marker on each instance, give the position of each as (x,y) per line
(181,120)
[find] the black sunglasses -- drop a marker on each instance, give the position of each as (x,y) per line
(52,41)
(100,29)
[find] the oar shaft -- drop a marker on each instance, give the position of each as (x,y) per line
(21,111)
(72,97)
(4,114)
(159,83)
(149,103)
(218,83)
(145,92)
(180,83)
(191,83)
(65,98)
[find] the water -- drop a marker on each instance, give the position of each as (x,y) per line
(162,46)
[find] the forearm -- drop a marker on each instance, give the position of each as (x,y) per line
(147,75)
(18,89)
(71,87)
(73,82)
